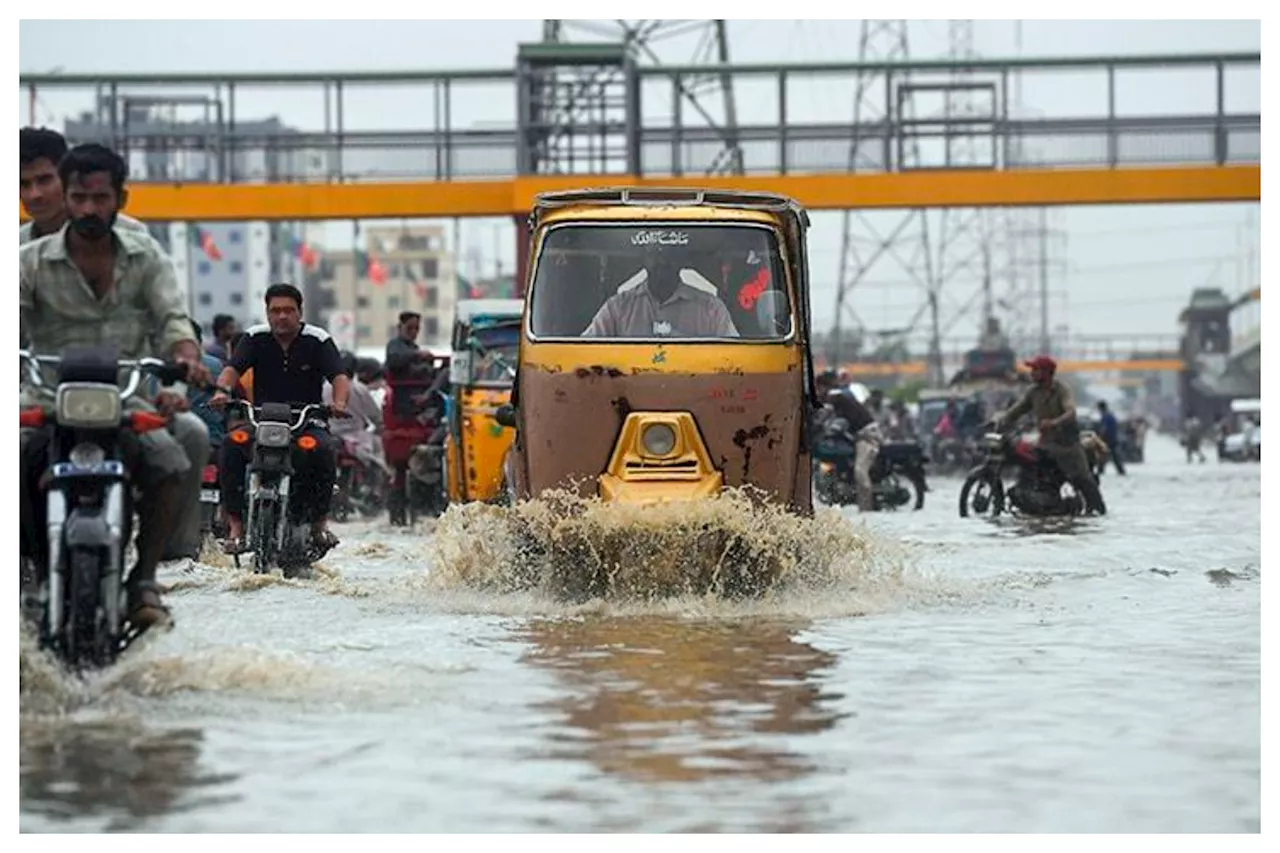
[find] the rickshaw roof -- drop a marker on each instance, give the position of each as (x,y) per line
(470,310)
(667,197)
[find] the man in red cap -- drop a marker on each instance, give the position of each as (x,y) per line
(1054,408)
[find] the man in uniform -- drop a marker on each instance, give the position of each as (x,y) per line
(1054,408)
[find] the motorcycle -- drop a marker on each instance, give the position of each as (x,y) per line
(899,464)
(418,467)
(426,489)
(276,534)
(1037,489)
(80,593)
(211,523)
(362,483)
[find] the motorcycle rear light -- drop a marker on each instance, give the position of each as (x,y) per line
(210,474)
(147,421)
(239,436)
(32,418)
(308,442)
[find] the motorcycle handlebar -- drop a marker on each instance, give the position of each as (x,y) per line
(303,412)
(167,372)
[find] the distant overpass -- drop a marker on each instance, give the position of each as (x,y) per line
(433,166)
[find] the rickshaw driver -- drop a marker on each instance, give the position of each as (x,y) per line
(663,300)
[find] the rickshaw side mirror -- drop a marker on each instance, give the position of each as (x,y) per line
(506,415)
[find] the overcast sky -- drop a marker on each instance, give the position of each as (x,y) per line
(1117,270)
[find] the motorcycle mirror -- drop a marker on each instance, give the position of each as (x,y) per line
(506,415)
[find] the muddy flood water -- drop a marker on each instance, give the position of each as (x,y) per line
(919,672)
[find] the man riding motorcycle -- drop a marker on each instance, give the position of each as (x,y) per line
(290,360)
(416,408)
(862,424)
(1054,408)
(40,189)
(95,283)
(365,422)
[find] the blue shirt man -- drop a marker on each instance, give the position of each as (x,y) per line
(1108,426)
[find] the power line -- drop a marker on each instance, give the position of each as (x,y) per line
(1154,229)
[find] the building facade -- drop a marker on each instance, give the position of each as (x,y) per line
(363,314)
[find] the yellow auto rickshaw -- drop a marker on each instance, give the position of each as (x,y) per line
(486,335)
(665,347)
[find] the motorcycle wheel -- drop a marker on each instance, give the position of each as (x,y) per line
(264,537)
(982,502)
(86,641)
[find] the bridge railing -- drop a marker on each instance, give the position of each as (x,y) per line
(795,118)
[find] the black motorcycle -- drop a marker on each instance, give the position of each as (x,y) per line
(211,521)
(80,595)
(1038,488)
(897,473)
(275,531)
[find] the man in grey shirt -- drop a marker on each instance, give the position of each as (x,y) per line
(93,284)
(40,189)
(663,301)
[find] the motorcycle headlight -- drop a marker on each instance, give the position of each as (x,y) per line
(88,405)
(658,439)
(273,435)
(86,455)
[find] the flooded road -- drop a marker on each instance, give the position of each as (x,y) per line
(1095,675)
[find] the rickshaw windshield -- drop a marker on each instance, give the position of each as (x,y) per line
(646,281)
(494,353)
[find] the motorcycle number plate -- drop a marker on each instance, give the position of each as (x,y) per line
(209,496)
(105,468)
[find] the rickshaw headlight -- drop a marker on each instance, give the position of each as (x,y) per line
(658,439)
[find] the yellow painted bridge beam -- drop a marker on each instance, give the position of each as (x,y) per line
(949,188)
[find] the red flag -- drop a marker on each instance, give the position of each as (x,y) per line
(204,240)
(377,272)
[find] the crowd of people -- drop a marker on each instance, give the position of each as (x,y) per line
(90,276)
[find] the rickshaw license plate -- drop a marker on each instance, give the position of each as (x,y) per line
(209,496)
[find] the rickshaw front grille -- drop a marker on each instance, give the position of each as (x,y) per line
(681,469)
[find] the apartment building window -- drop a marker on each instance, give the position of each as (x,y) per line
(206,298)
(393,301)
(433,297)
(394,271)
(204,268)
(233,236)
(237,298)
(328,299)
(431,326)
(236,268)
(431,268)
(364,331)
(362,302)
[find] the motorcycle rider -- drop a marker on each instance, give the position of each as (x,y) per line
(224,331)
(1053,406)
(290,360)
(40,150)
(862,425)
(92,283)
(416,386)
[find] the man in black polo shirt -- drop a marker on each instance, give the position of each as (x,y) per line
(290,360)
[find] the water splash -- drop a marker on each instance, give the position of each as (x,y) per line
(728,548)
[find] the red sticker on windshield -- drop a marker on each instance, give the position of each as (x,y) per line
(750,292)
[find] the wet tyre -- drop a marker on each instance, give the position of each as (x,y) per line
(983,492)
